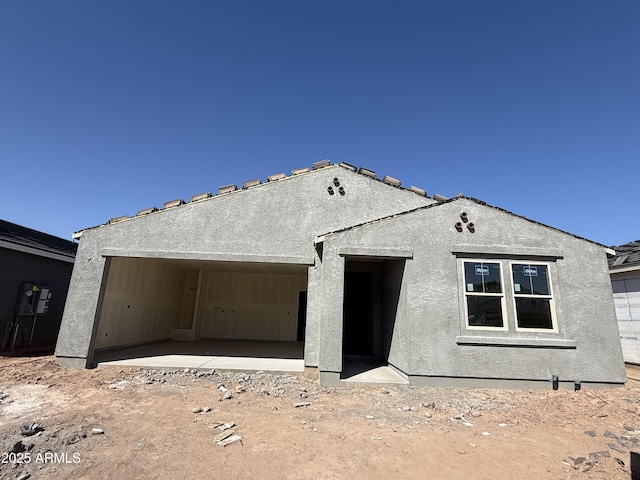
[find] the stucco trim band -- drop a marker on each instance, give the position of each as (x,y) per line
(375,252)
(211,256)
(492,250)
(516,342)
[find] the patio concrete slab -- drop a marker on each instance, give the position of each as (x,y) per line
(378,375)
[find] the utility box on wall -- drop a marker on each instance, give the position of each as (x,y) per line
(32,300)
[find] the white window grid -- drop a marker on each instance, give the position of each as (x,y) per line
(501,295)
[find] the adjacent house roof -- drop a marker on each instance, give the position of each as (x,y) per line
(17,237)
(627,257)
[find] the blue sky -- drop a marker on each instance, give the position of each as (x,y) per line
(111,107)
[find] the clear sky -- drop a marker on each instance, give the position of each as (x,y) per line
(111,107)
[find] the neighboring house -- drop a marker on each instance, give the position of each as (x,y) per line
(444,291)
(35,270)
(625,281)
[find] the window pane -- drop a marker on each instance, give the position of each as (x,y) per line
(530,279)
(484,311)
(473,282)
(482,277)
(541,281)
(534,312)
(492,281)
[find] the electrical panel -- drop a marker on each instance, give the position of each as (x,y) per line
(33,300)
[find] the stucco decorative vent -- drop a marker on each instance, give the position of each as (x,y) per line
(349,167)
(173,203)
(146,211)
(252,183)
(298,171)
(417,190)
(227,189)
(439,198)
(391,181)
(368,173)
(201,196)
(321,164)
(277,176)
(117,219)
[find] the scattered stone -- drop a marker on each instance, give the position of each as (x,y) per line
(608,434)
(620,462)
(186,370)
(621,441)
(301,404)
(595,456)
(197,410)
(230,440)
(97,431)
(30,428)
(486,434)
(577,461)
(428,415)
(429,405)
(629,428)
(476,414)
(370,417)
(221,436)
(222,388)
(24,476)
(227,396)
(502,425)
(205,409)
(591,433)
(615,447)
(18,447)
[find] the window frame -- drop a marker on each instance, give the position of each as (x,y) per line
(501,295)
(550,297)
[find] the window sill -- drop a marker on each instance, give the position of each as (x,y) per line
(516,342)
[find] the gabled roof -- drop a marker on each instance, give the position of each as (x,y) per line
(442,201)
(227,189)
(12,234)
(627,256)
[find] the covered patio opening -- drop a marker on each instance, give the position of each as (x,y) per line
(372,289)
(177,312)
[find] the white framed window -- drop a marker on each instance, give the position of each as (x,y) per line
(484,295)
(533,297)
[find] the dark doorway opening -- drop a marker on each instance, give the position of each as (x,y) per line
(371,297)
(302,315)
(358,313)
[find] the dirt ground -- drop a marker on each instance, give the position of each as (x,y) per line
(147,427)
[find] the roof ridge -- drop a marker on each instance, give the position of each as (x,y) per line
(458,197)
(225,189)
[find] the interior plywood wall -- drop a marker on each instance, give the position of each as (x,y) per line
(142,302)
(250,305)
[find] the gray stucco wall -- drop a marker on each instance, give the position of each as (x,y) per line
(431,339)
(275,222)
